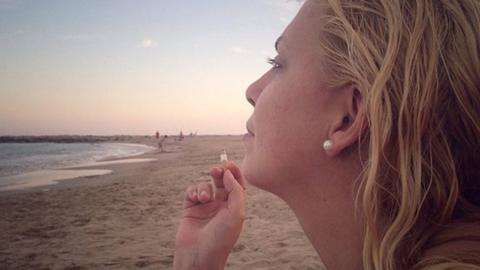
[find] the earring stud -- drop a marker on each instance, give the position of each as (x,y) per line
(327,145)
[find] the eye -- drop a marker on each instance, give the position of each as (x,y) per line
(274,63)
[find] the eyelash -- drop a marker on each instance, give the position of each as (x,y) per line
(274,63)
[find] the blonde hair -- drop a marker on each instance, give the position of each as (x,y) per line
(417,64)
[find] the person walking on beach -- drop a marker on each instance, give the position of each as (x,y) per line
(161,143)
(367,126)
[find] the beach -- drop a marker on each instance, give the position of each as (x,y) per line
(127,219)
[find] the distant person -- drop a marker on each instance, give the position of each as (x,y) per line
(181,137)
(161,143)
(157,135)
(368,127)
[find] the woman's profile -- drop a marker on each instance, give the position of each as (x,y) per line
(368,127)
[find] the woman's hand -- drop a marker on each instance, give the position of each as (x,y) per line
(213,214)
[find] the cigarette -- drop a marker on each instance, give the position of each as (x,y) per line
(223,156)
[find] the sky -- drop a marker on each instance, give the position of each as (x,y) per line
(108,67)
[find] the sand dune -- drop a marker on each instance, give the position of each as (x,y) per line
(127,219)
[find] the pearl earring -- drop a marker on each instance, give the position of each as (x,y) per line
(327,145)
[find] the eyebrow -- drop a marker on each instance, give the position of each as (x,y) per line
(277,42)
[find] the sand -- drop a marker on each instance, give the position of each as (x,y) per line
(44,178)
(128,219)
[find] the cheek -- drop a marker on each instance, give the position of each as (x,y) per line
(285,146)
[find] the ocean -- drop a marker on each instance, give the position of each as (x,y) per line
(19,158)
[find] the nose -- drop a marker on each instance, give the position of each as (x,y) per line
(255,89)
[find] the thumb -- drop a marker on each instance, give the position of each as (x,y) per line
(236,194)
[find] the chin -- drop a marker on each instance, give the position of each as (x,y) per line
(249,171)
(246,171)
(256,175)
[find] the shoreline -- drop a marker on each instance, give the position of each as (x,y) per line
(42,178)
(70,138)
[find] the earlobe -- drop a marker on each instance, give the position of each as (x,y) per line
(349,126)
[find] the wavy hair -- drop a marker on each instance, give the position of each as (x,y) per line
(417,64)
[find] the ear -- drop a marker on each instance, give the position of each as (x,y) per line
(349,123)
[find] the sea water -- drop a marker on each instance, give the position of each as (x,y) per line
(19,158)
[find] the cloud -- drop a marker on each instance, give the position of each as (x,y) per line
(239,50)
(148,43)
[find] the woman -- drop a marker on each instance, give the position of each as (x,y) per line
(368,127)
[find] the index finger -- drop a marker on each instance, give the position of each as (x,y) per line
(237,174)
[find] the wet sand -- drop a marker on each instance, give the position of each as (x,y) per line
(127,219)
(44,178)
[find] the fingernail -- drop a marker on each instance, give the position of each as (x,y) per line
(203,193)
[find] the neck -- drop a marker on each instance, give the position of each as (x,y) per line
(329,218)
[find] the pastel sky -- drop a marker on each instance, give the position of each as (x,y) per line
(133,66)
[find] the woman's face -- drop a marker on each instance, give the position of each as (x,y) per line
(292,109)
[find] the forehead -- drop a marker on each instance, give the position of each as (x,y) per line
(305,29)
